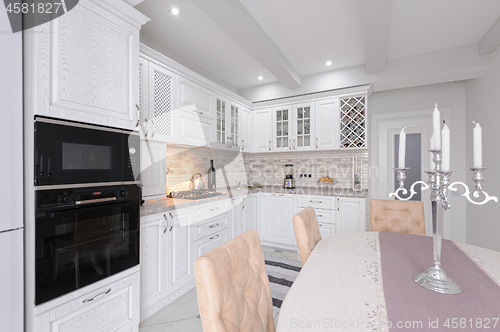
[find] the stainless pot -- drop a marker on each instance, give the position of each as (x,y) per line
(197,182)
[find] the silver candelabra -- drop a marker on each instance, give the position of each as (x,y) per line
(435,278)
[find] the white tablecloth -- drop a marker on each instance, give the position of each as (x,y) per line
(340,288)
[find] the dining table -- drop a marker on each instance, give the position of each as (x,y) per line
(364,282)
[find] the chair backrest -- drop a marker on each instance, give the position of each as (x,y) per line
(306,228)
(397,216)
(233,288)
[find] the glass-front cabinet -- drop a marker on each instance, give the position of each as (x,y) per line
(292,127)
(221,122)
(234,132)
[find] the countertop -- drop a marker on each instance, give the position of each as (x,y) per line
(166,204)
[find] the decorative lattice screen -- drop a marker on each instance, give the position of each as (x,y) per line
(353,122)
(163,104)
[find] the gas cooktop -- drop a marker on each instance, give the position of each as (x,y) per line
(194,194)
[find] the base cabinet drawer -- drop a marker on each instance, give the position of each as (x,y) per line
(317,202)
(208,243)
(114,307)
(326,229)
(323,216)
(211,226)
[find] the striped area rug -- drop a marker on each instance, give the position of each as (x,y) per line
(282,274)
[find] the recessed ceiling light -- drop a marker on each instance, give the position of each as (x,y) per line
(328,63)
(175,11)
(260,78)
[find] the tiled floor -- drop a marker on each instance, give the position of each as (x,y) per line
(182,315)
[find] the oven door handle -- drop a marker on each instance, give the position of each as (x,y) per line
(97,200)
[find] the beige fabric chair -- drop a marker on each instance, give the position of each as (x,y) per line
(233,287)
(397,216)
(306,228)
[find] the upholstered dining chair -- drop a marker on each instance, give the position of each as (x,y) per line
(233,288)
(397,216)
(306,228)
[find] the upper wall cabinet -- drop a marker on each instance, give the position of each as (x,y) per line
(262,127)
(157,101)
(353,122)
(195,98)
(83,65)
(292,127)
(327,124)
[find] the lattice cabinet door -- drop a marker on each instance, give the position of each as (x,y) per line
(159,123)
(282,128)
(353,122)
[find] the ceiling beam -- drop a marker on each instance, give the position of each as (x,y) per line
(491,39)
(133,3)
(375,21)
(237,22)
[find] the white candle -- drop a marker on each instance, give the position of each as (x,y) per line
(445,163)
(432,165)
(478,146)
(402,148)
(436,125)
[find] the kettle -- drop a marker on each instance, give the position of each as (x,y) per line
(197,182)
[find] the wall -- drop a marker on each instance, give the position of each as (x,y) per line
(263,168)
(483,224)
(450,95)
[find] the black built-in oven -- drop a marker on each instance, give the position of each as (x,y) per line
(84,235)
(75,153)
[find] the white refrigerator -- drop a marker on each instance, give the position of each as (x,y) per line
(11,170)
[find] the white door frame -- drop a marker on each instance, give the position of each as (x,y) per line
(385,127)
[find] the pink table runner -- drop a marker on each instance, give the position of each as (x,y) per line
(407,303)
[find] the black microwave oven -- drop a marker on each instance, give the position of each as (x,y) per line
(74,154)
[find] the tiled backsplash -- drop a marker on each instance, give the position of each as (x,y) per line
(269,168)
(263,168)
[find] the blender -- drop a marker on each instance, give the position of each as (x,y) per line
(288,184)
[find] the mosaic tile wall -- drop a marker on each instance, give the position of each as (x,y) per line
(268,168)
(263,168)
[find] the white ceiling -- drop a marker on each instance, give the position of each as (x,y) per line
(288,41)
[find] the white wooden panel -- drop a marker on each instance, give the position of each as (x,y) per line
(152,254)
(276,218)
(249,214)
(327,126)
(210,242)
(246,127)
(350,214)
(262,130)
(193,129)
(153,168)
(194,95)
(181,250)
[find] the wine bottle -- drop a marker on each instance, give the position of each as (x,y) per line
(211,176)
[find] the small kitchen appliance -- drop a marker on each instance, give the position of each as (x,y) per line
(288,183)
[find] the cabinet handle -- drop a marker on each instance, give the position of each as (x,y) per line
(280,195)
(213,226)
(242,145)
(319,215)
(214,209)
(153,127)
(213,237)
(320,225)
(92,299)
(316,202)
(290,144)
(138,115)
(146,128)
(316,143)
(243,207)
(200,113)
(295,145)
(171,222)
(338,204)
(165,217)
(269,145)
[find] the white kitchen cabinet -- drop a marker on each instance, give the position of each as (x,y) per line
(324,206)
(292,127)
(353,122)
(157,100)
(111,307)
(262,128)
(350,215)
(83,65)
(180,249)
(153,258)
(193,129)
(327,124)
(211,242)
(245,214)
(153,169)
(276,215)
(246,127)
(326,229)
(195,98)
